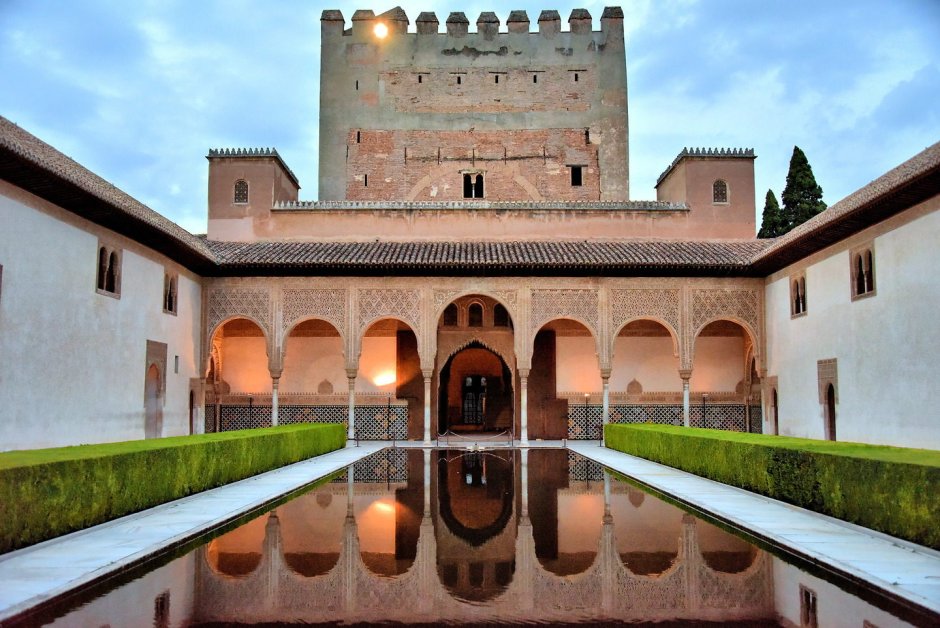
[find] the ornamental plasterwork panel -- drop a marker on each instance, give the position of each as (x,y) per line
(325,303)
(506,296)
(500,343)
(254,303)
(662,303)
(376,303)
(577,304)
(444,297)
(711,304)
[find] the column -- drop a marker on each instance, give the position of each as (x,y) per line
(524,407)
(686,375)
(351,377)
(274,413)
(605,413)
(427,407)
(525,483)
(427,483)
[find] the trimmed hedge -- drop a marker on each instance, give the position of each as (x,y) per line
(48,492)
(889,489)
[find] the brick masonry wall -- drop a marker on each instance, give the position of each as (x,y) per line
(429,165)
(491,90)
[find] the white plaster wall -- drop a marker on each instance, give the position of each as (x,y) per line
(134,603)
(884,344)
(718,364)
(72,361)
(834,607)
(651,361)
(310,360)
(576,366)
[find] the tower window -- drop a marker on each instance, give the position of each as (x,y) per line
(420,79)
(472,185)
(719,192)
(475,315)
(535,78)
(241,192)
(575,77)
(450,316)
(170,301)
(798,296)
(863,271)
(365,180)
(576,180)
(459,79)
(357,85)
(109,271)
(358,137)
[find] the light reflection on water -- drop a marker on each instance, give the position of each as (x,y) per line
(449,536)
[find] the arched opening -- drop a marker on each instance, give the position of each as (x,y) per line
(723,551)
(313,381)
(564,387)
(475,362)
(312,530)
(501,316)
(719,398)
(238,553)
(240,193)
(102,267)
(869,272)
(720,191)
(475,391)
(647,531)
(110,279)
(859,275)
(241,380)
(476,505)
(153,403)
(830,412)
(389,386)
(644,379)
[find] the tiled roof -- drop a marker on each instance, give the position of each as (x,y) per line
(914,181)
(473,258)
(480,205)
(30,163)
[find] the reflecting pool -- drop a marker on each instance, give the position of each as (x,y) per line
(455,536)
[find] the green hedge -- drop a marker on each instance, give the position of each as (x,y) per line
(48,492)
(890,489)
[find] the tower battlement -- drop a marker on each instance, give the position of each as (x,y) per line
(446,114)
(548,24)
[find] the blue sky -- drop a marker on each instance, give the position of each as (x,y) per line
(139,91)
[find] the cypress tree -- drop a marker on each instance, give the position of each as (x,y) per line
(802,197)
(772,221)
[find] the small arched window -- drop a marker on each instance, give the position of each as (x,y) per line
(170,301)
(102,267)
(450,315)
(241,191)
(798,295)
(475,315)
(472,185)
(719,191)
(863,272)
(500,316)
(111,276)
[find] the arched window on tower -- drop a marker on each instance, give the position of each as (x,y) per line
(475,315)
(450,316)
(798,295)
(719,191)
(472,185)
(170,302)
(241,191)
(108,277)
(863,272)
(500,316)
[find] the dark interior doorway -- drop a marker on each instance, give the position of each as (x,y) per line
(475,392)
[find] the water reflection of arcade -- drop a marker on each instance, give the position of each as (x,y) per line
(524,566)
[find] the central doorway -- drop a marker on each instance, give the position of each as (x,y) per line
(475,392)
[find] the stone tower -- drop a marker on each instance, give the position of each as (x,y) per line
(460,115)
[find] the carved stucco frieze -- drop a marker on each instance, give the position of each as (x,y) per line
(577,304)
(500,343)
(661,303)
(376,303)
(324,303)
(711,304)
(228,302)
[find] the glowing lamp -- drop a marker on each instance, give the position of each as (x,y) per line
(384,379)
(380,30)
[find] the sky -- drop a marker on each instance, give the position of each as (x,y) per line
(138,92)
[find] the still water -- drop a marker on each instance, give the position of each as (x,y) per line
(457,537)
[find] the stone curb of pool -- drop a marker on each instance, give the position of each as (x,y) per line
(41,572)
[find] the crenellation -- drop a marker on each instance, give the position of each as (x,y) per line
(396,19)
(427,23)
(549,23)
(579,22)
(362,21)
(457,24)
(518,22)
(488,25)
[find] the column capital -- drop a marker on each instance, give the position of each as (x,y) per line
(427,373)
(605,374)
(352,373)
(685,374)
(524,372)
